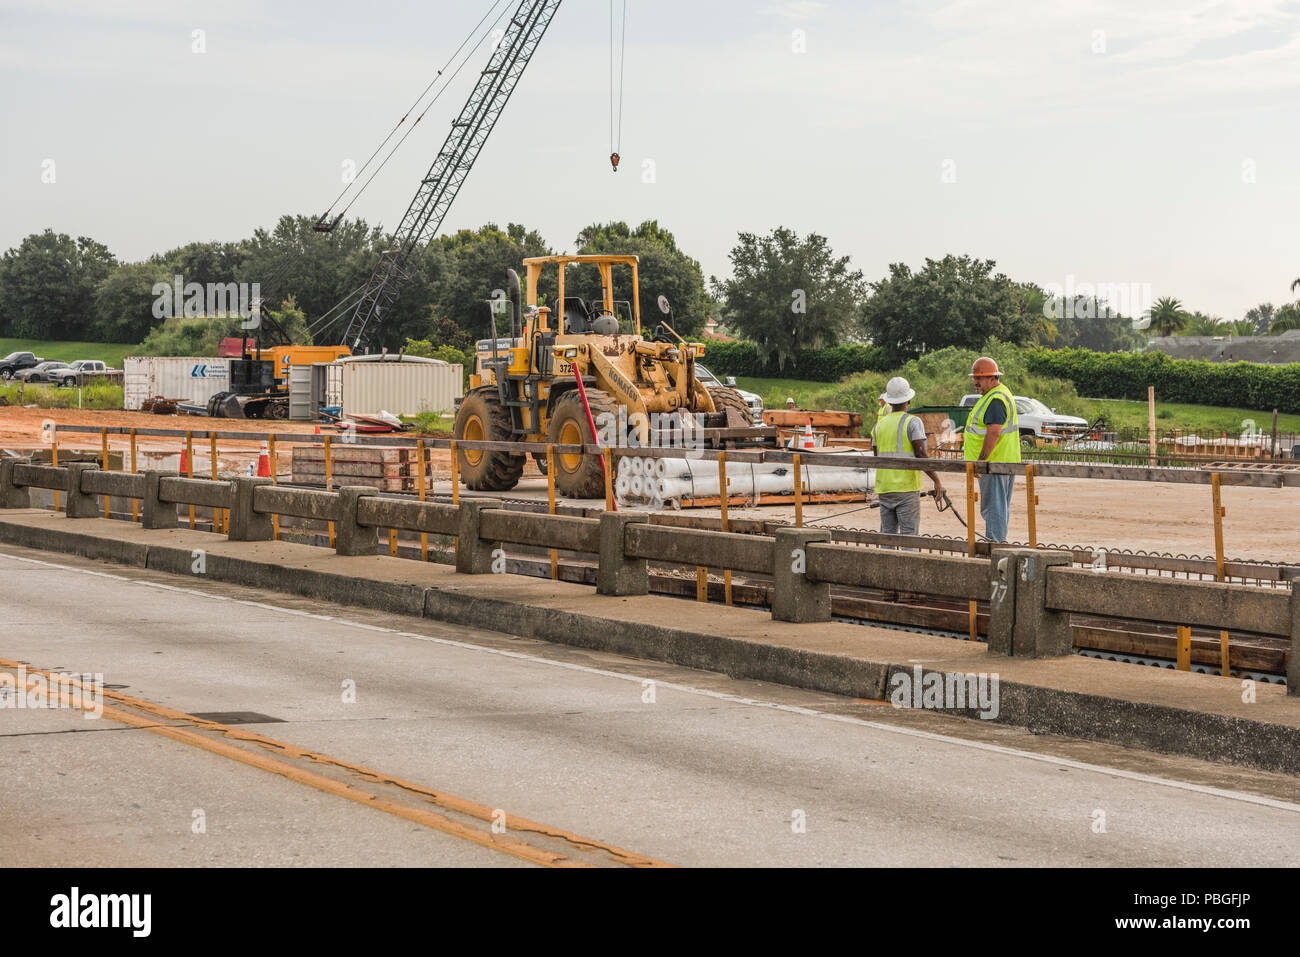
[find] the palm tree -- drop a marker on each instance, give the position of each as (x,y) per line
(1288,317)
(1199,324)
(1261,317)
(1167,316)
(1242,327)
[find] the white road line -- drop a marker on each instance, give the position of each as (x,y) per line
(704,692)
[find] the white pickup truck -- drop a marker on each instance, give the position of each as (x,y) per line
(84,370)
(1039,422)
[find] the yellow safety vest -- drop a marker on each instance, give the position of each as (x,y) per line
(889,439)
(1008,447)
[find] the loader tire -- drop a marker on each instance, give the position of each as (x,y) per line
(482,418)
(725,398)
(578,476)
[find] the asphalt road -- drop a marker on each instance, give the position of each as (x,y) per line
(684,767)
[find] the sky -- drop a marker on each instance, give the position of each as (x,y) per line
(1122,142)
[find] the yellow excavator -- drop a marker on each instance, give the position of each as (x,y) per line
(525,388)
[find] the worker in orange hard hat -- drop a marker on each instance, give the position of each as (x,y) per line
(992,435)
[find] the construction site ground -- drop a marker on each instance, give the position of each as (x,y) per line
(1159,517)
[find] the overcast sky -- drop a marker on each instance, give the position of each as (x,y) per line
(1115,141)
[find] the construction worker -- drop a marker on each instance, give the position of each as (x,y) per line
(992,435)
(789,403)
(901,436)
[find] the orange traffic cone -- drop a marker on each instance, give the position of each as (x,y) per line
(264,462)
(185,460)
(808,441)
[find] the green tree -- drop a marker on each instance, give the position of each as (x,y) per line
(1199,324)
(954,301)
(47,285)
(124,302)
(1167,316)
(475,264)
(787,294)
(1288,317)
(663,270)
(1260,318)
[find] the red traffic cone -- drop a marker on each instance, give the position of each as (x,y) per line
(318,428)
(185,460)
(264,462)
(808,440)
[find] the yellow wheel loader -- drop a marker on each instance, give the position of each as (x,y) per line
(524,388)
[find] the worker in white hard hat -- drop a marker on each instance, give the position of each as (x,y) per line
(899,435)
(789,402)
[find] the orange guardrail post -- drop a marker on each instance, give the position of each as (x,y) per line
(329,479)
(420,484)
(1219,512)
(726,527)
(135,502)
(550,506)
(1184,648)
(275,479)
(103,461)
(212,453)
(189,465)
(1031,499)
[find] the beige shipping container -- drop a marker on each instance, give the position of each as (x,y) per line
(188,378)
(403,387)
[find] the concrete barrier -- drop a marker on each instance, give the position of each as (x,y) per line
(13,495)
(297,502)
(1207,604)
(474,554)
(350,537)
(41,476)
(154,512)
(796,595)
(246,523)
(411,516)
(899,571)
(203,492)
(77,503)
(683,546)
(117,484)
(1021,623)
(618,574)
(564,532)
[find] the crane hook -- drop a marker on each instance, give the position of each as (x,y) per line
(613,159)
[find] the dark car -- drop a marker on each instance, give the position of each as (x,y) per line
(15,362)
(48,371)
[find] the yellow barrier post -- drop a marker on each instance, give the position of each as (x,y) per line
(189,465)
(455,491)
(1184,648)
(798,492)
(726,527)
(1219,512)
(419,462)
(550,506)
(212,454)
(1032,501)
(54,456)
(607,461)
(971,498)
(135,502)
(329,479)
(275,479)
(103,461)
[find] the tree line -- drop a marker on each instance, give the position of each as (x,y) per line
(787,293)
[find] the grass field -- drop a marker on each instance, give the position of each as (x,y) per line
(1122,413)
(98,395)
(111,352)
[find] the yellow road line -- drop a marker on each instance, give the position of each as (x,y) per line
(439,822)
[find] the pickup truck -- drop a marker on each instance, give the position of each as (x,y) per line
(15,362)
(85,370)
(1038,422)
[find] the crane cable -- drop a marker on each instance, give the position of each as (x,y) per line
(616,125)
(491,11)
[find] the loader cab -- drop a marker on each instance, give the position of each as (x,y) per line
(578,317)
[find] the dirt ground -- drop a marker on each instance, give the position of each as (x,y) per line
(1260,524)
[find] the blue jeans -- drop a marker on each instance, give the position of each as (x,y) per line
(900,513)
(995,505)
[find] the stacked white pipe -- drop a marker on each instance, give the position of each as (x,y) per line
(658,483)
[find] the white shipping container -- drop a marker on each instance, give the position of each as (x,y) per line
(408,387)
(188,378)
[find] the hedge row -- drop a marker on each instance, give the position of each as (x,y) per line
(1126,375)
(817,365)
